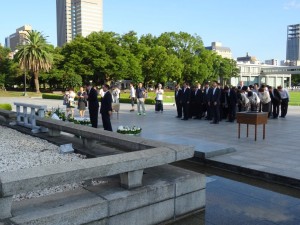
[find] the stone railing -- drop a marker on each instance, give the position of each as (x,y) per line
(130,166)
(28,119)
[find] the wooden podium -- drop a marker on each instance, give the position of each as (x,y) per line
(253,118)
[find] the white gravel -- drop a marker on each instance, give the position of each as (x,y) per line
(19,151)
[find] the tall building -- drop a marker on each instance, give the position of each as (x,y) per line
(293,45)
(217,47)
(13,40)
(77,17)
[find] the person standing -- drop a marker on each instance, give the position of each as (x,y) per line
(276,103)
(132,97)
(185,100)
(215,102)
(106,108)
(159,99)
(93,104)
(140,95)
(116,94)
(178,94)
(81,102)
(232,103)
(285,98)
(206,97)
(198,102)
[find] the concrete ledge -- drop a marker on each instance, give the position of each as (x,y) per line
(108,203)
(74,207)
(51,175)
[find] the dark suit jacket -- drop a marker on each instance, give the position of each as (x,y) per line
(207,96)
(232,98)
(186,95)
(198,96)
(92,99)
(106,103)
(215,97)
(178,95)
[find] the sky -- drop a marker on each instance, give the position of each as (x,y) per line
(257,27)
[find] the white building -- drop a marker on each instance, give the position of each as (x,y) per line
(254,73)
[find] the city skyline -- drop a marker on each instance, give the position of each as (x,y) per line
(256,27)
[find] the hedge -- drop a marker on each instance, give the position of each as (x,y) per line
(121,100)
(6,106)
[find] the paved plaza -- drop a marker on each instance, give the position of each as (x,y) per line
(278,154)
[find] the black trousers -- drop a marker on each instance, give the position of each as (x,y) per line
(276,109)
(94,116)
(284,107)
(186,108)
(179,109)
(106,121)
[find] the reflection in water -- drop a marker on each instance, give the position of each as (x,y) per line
(233,199)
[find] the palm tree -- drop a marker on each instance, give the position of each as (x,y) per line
(33,55)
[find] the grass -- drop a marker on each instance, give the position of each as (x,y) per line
(18,94)
(294,98)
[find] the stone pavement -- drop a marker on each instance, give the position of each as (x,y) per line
(277,157)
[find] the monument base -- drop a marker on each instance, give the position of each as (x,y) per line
(167,194)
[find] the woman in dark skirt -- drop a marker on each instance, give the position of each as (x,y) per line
(81,102)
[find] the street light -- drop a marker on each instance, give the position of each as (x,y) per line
(25,93)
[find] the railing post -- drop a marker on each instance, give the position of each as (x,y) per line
(18,114)
(132,179)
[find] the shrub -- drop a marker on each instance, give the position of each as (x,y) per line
(6,106)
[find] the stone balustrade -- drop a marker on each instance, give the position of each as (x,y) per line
(28,119)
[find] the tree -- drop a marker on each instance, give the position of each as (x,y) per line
(34,56)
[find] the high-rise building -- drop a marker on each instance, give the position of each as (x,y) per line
(293,45)
(15,39)
(77,17)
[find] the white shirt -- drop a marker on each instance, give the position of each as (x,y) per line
(159,94)
(132,92)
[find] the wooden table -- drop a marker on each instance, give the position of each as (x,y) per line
(253,118)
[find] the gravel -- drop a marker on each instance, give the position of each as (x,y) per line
(19,151)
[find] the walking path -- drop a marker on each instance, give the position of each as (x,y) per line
(278,154)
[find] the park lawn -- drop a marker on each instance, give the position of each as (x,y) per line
(294,98)
(19,94)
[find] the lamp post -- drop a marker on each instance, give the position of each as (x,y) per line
(25,93)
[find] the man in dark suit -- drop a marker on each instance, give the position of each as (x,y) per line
(232,101)
(178,94)
(206,98)
(106,108)
(185,100)
(198,101)
(215,102)
(93,104)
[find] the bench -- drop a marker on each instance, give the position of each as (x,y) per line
(28,119)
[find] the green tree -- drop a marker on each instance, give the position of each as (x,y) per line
(34,55)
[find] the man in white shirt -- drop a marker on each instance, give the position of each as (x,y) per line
(285,98)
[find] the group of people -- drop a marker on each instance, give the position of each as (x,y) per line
(215,103)
(89,99)
(139,95)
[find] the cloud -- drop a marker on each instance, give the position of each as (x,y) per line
(292,5)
